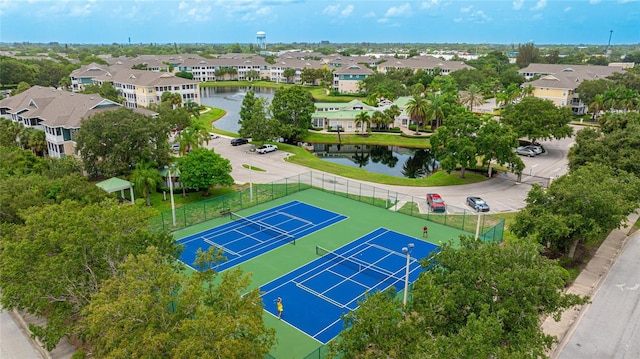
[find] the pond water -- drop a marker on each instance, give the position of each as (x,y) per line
(389,160)
(230,100)
(393,161)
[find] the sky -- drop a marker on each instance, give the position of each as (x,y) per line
(588,22)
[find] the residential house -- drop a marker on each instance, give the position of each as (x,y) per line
(85,74)
(331,116)
(558,83)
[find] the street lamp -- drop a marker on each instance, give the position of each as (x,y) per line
(407,250)
(478,224)
(173,205)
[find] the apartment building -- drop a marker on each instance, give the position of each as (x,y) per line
(558,83)
(429,64)
(347,79)
(141,88)
(56,112)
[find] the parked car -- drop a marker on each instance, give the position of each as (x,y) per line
(266,148)
(536,149)
(478,204)
(239,141)
(524,151)
(213,136)
(175,147)
(436,202)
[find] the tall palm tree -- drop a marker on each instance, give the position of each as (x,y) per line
(417,109)
(193,108)
(437,104)
(38,142)
(363,120)
(596,105)
(145,178)
(473,96)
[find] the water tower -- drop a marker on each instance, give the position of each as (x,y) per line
(261,36)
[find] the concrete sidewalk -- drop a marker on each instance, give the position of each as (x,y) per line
(587,284)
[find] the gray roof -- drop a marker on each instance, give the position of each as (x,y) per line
(143,78)
(593,72)
(58,108)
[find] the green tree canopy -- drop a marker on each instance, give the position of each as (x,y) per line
(203,168)
(292,107)
(579,207)
(112,142)
(538,119)
(149,310)
(477,300)
(51,265)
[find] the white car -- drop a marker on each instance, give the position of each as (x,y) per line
(266,148)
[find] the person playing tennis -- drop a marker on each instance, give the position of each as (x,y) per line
(279,306)
(425,231)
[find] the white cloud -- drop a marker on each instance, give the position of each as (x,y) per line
(541,4)
(567,9)
(466,9)
(457,19)
(397,11)
(429,4)
(517,4)
(537,16)
(480,16)
(369,14)
(347,11)
(182,5)
(196,11)
(383,20)
(331,9)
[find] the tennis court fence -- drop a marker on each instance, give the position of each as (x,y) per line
(491,228)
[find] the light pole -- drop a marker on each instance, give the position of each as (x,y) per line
(250,181)
(478,224)
(173,205)
(407,250)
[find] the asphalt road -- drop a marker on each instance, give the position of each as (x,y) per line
(503,193)
(610,328)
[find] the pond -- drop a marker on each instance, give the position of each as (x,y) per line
(389,160)
(230,100)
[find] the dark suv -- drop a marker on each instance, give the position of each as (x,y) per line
(239,141)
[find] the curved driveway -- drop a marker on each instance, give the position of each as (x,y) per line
(502,192)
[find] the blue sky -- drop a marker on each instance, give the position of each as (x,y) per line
(337,21)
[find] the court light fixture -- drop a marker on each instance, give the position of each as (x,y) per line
(173,205)
(407,250)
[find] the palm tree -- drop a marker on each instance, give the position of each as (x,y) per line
(378,118)
(473,96)
(527,91)
(392,112)
(200,129)
(435,111)
(145,177)
(189,139)
(596,105)
(38,142)
(363,120)
(193,108)
(417,108)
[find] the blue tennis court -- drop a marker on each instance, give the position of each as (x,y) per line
(317,294)
(248,237)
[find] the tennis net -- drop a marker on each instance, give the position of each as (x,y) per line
(263,227)
(359,265)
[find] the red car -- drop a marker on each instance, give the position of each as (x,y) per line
(435,202)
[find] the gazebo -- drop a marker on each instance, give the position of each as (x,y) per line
(116,184)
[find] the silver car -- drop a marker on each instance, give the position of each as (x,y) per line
(524,151)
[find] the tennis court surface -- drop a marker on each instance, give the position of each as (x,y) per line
(318,293)
(247,237)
